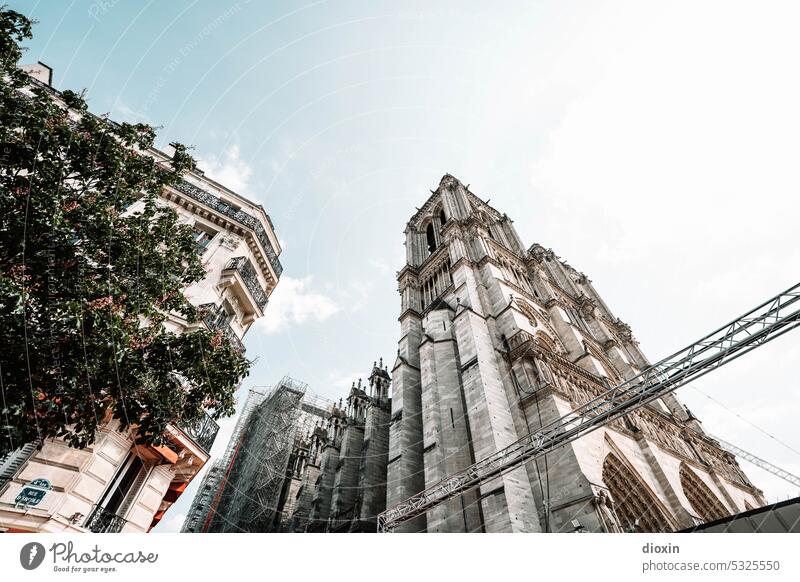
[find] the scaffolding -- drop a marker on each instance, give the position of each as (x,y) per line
(242,492)
(206,501)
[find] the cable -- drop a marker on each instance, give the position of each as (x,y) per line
(754,425)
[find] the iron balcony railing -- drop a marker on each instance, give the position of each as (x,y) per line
(203,432)
(103,521)
(239,216)
(248,275)
(216,319)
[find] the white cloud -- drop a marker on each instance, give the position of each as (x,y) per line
(381,266)
(229,169)
(678,133)
(172,524)
(295,302)
(124,112)
(341,382)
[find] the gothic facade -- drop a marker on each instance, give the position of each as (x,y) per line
(497,340)
(297,462)
(343,468)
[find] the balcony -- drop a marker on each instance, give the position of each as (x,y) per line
(103,521)
(239,216)
(216,319)
(203,432)
(247,273)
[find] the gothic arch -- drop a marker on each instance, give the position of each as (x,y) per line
(609,368)
(553,342)
(546,342)
(635,506)
(707,506)
(430,237)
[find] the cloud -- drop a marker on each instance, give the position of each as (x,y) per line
(671,138)
(341,382)
(229,169)
(173,524)
(381,266)
(124,112)
(295,302)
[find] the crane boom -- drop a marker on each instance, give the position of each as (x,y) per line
(759,462)
(769,320)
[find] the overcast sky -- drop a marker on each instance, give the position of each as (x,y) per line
(653,145)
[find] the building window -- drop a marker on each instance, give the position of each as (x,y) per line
(117,499)
(442,217)
(202,238)
(227,313)
(431,236)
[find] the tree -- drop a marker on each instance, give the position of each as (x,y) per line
(91,266)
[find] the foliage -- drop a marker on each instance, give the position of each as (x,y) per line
(91,265)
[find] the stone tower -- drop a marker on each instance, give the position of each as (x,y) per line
(342,483)
(498,340)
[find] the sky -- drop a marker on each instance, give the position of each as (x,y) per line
(652,145)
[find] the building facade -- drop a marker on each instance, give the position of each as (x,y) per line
(352,453)
(297,462)
(498,340)
(117,485)
(252,488)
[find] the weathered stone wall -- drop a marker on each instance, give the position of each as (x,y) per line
(345,482)
(374,459)
(323,493)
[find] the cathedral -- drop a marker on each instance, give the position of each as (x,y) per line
(498,340)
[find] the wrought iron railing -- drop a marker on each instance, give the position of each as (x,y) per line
(203,432)
(103,521)
(248,274)
(215,319)
(238,215)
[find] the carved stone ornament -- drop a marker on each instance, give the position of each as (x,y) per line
(587,305)
(623,330)
(230,241)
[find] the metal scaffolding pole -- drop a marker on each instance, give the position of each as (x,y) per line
(759,462)
(769,320)
(273,433)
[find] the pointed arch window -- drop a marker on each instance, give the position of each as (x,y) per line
(635,507)
(430,235)
(442,217)
(707,506)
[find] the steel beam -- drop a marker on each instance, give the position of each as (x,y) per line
(759,462)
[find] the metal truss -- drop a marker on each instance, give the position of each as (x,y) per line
(769,320)
(759,462)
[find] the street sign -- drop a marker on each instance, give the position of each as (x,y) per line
(32,494)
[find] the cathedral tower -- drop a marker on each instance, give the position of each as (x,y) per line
(498,340)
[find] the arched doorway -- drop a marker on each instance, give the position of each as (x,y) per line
(701,498)
(637,510)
